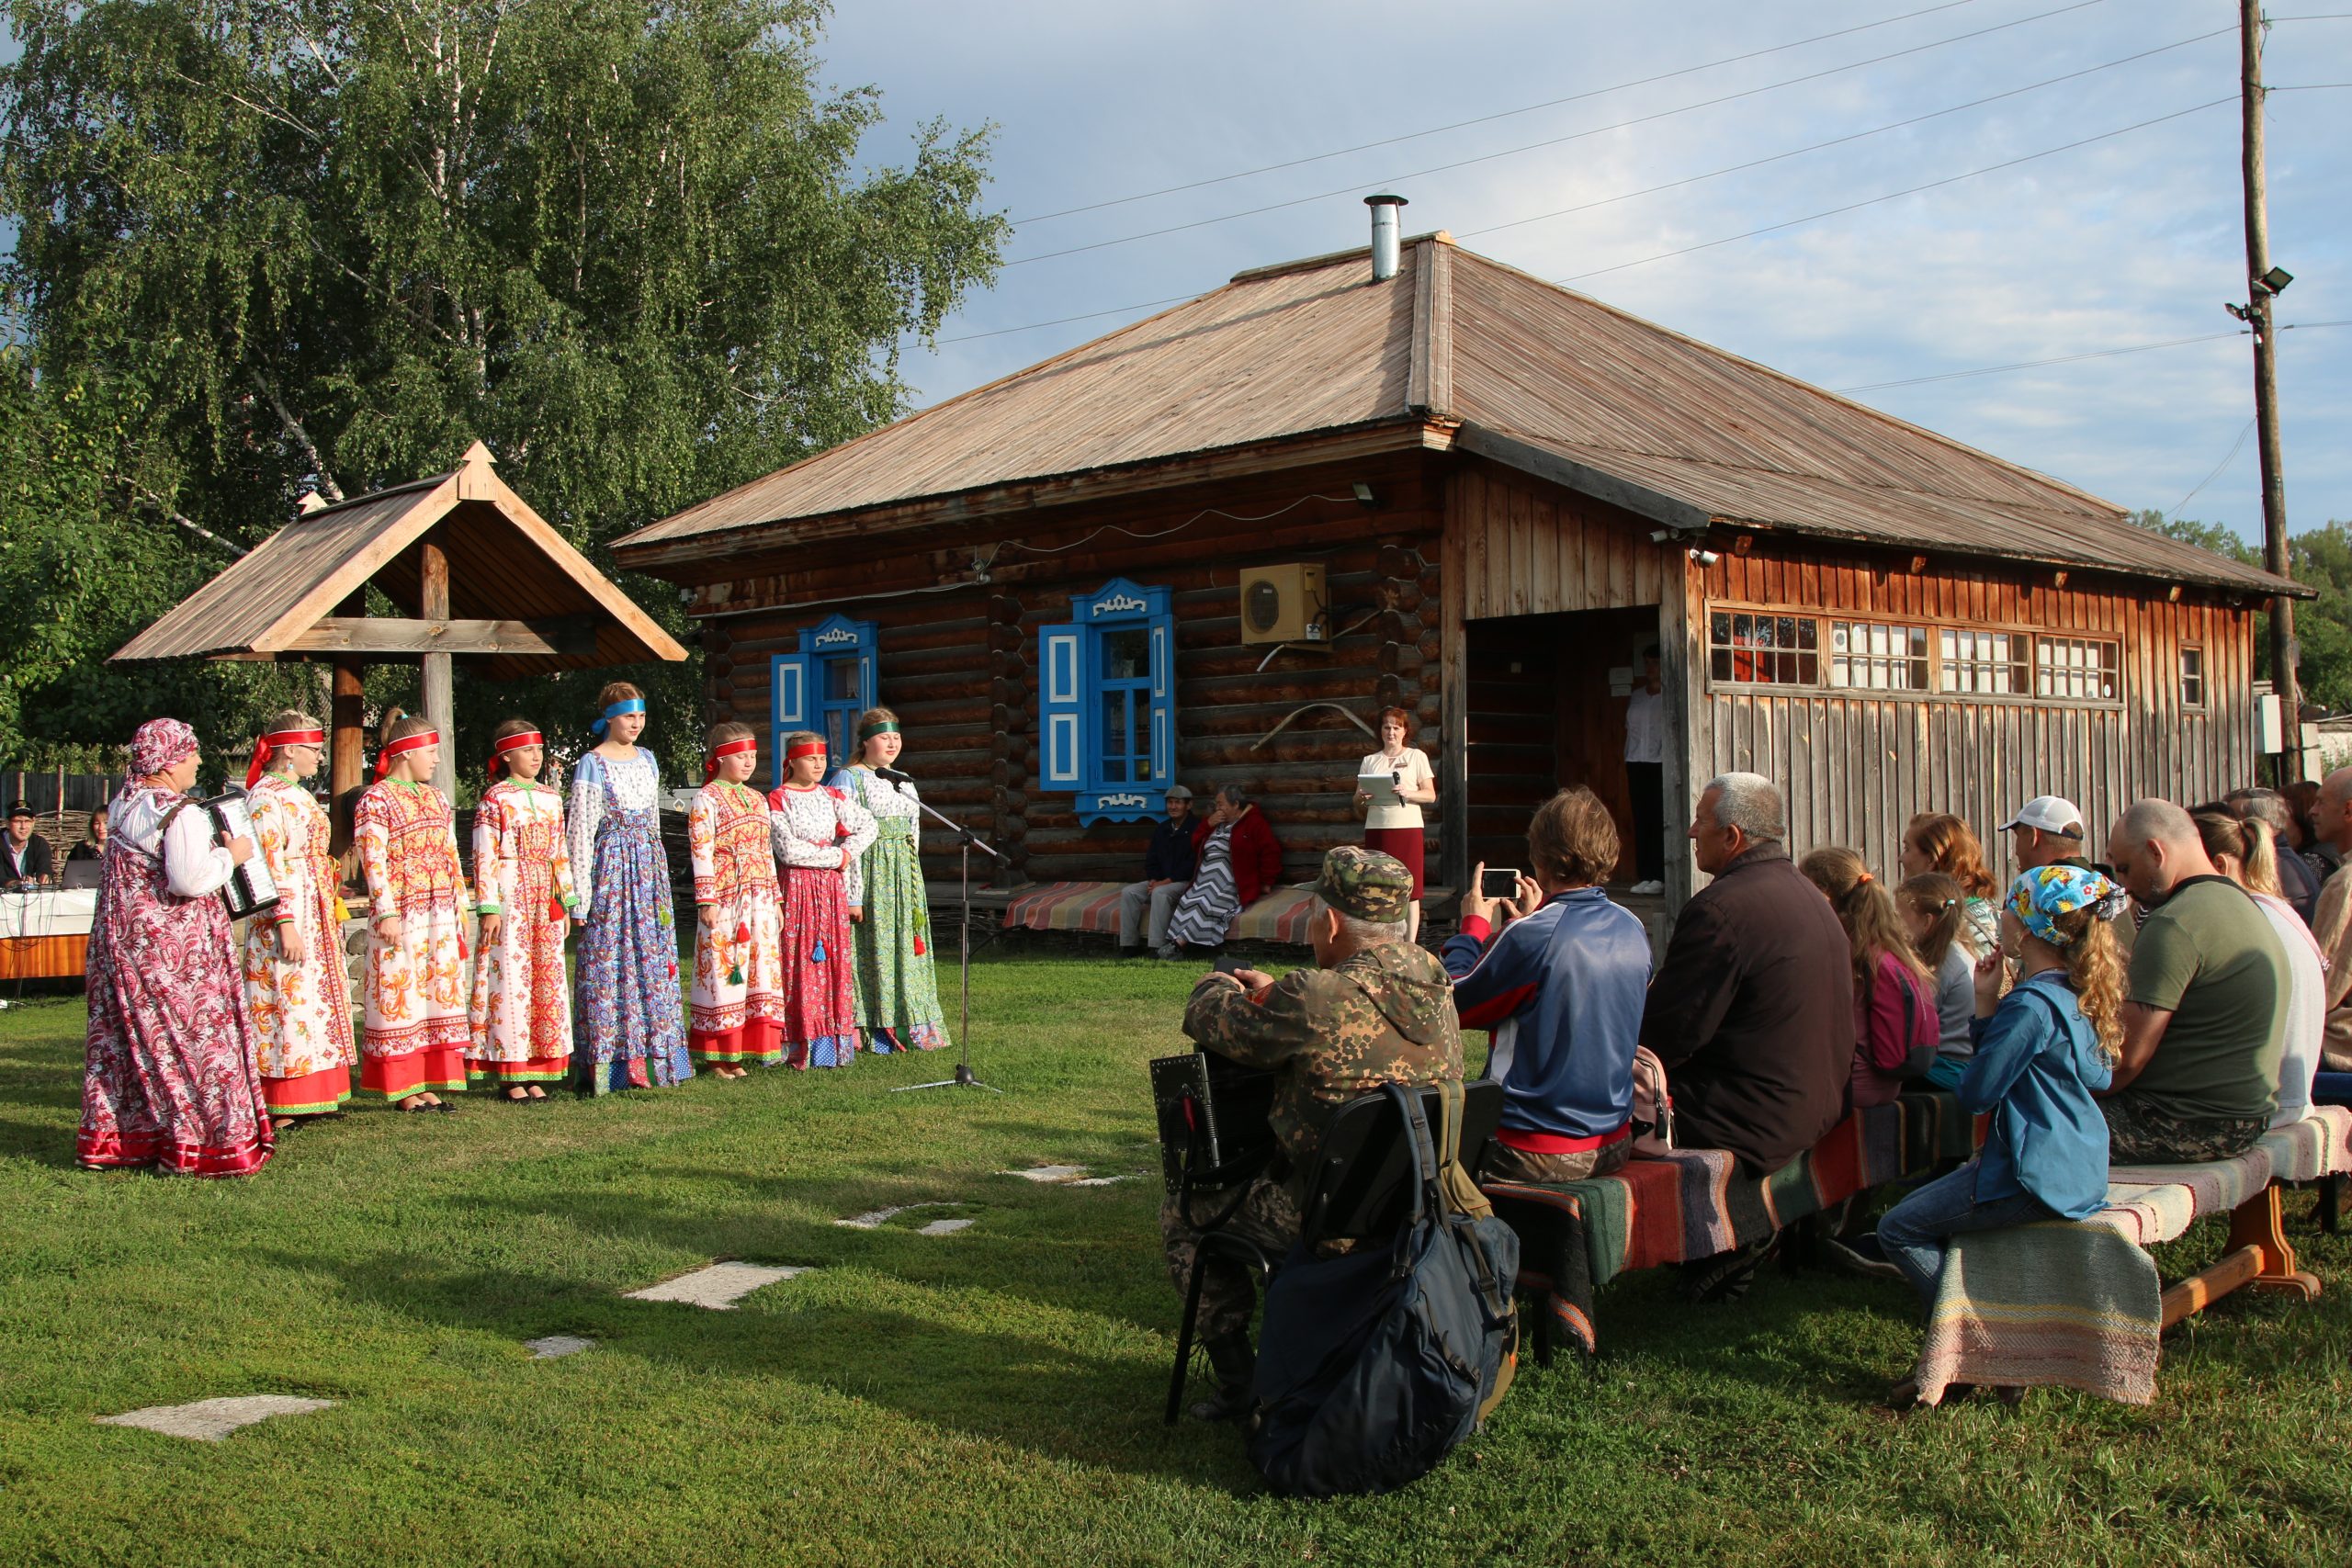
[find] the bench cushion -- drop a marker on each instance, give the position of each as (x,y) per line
(2078,1304)
(1575,1236)
(1280,916)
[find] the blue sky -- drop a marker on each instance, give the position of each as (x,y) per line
(2128,240)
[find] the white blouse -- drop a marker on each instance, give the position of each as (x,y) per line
(1415,767)
(195,862)
(810,827)
(636,784)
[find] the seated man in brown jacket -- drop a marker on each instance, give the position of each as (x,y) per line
(1752,1013)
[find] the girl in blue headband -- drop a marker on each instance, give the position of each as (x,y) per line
(629,1031)
(2042,1053)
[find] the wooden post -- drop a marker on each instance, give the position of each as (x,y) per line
(1689,742)
(1453,769)
(433,605)
(348,738)
(2283,651)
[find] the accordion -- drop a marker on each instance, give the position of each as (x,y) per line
(1215,1127)
(250,889)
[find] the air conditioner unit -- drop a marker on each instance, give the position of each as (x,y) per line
(1285,603)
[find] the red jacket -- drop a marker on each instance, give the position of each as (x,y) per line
(1257,857)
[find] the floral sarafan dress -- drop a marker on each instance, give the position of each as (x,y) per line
(735,1008)
(301,1011)
(520,1011)
(415,994)
(810,828)
(629,1028)
(168,1079)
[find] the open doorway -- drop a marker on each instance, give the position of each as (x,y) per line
(1547,699)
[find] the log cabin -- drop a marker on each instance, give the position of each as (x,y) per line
(1209,547)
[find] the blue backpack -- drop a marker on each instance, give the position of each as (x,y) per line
(1372,1365)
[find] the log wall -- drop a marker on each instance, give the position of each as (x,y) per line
(956,665)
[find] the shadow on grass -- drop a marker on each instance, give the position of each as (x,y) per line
(1053,1400)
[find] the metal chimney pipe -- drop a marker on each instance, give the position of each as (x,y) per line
(1384,238)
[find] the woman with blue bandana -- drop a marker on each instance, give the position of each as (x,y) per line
(629,1030)
(2042,1052)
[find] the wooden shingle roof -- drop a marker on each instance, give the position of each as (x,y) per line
(506,563)
(1521,371)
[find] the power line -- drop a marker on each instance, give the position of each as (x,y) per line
(1488,119)
(2038,364)
(1549,142)
(1895,195)
(1840,141)
(1709,245)
(2235,447)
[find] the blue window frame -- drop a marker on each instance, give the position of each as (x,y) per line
(823,687)
(1106,703)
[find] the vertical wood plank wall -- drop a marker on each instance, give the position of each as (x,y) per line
(1857,766)
(1516,547)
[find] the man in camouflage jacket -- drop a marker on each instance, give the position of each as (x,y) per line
(1374,1010)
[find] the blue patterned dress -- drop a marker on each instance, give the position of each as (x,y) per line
(630,1026)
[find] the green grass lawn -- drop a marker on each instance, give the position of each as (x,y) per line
(991,1396)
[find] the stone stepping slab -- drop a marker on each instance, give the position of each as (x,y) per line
(1064,1176)
(872,1219)
(718,1287)
(556,1345)
(944,1227)
(211,1420)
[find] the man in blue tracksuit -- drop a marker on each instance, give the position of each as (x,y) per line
(1562,991)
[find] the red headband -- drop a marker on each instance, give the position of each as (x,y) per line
(803,749)
(734,748)
(269,743)
(407,743)
(505,743)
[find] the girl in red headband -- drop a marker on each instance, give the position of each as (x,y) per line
(735,1008)
(520,1021)
(819,834)
(295,984)
(411,1051)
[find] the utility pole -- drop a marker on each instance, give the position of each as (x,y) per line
(2263,287)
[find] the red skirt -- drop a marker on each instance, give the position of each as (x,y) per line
(819,1028)
(1405,843)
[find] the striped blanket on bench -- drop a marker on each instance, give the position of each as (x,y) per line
(2078,1304)
(1575,1236)
(1278,916)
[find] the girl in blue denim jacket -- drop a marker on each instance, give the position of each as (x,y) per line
(2041,1054)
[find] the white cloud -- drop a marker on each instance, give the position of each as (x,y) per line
(2131,240)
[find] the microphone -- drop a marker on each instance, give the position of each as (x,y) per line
(894,776)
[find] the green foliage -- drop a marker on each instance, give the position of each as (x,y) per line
(327,244)
(2321,559)
(83,575)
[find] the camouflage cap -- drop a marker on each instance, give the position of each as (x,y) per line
(1365,884)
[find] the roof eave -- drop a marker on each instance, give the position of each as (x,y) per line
(1397,431)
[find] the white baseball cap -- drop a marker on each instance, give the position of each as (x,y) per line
(2050,814)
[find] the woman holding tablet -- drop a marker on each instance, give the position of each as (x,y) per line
(1393,820)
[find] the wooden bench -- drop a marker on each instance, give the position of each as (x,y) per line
(2079,1303)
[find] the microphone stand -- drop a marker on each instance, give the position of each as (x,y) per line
(970,841)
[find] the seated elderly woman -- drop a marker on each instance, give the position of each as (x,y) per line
(1561,990)
(1239,860)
